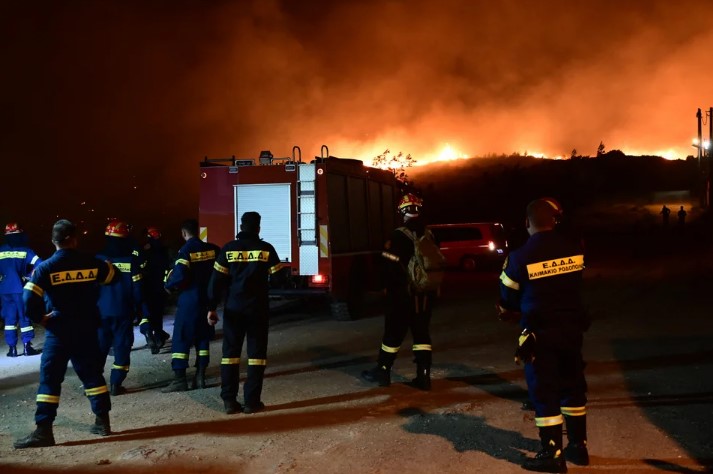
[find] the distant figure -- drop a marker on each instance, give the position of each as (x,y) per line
(157,263)
(682,217)
(665,212)
(17,261)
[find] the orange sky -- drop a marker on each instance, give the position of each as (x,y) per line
(134,94)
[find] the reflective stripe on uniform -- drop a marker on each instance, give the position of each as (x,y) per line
(143,321)
(421,347)
(203,352)
(230,360)
(390,256)
(276,268)
(390,350)
(179,355)
(41,397)
(510,283)
(257,361)
(183,261)
(11,328)
(120,367)
(217,266)
(573,411)
(27,329)
(96,390)
(35,289)
(549,421)
(136,277)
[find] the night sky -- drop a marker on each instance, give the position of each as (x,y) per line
(108,106)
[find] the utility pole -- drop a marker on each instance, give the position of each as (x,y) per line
(700,136)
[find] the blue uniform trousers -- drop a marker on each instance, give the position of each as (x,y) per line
(555,380)
(13,312)
(191,328)
(80,346)
(117,332)
(237,326)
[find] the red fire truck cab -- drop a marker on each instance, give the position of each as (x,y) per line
(327,219)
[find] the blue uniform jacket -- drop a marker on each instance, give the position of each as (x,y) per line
(16,263)
(192,271)
(67,284)
(125,297)
(243,267)
(542,279)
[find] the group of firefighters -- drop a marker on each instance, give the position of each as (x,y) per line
(540,289)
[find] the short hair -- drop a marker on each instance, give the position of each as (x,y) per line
(250,221)
(63,230)
(541,213)
(190,226)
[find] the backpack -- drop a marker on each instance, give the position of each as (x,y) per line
(426,268)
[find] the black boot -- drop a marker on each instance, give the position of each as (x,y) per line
(178,384)
(198,378)
(31,351)
(576,451)
(101,425)
(253,408)
(550,458)
(232,407)
(162,338)
(117,389)
(12,352)
(381,375)
(40,438)
(423,378)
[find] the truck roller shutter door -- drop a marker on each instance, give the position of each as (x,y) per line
(272,201)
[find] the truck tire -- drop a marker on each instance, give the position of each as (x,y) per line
(468,263)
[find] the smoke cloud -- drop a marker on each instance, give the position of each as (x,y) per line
(114,103)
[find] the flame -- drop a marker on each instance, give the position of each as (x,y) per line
(448,153)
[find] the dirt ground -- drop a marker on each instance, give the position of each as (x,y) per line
(650,374)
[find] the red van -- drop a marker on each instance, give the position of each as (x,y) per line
(471,246)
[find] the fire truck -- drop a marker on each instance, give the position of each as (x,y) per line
(327,219)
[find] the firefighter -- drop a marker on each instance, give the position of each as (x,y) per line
(243,268)
(540,287)
(118,304)
(156,264)
(16,263)
(62,296)
(190,276)
(407,309)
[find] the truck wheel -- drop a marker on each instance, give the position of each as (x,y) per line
(468,263)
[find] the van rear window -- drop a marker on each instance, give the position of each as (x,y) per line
(454,234)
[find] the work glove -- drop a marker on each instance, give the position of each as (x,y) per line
(525,351)
(137,318)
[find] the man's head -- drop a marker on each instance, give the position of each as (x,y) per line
(153,233)
(541,216)
(250,222)
(189,228)
(410,206)
(64,234)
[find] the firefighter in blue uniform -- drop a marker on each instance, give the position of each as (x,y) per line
(243,268)
(119,303)
(540,286)
(62,296)
(16,263)
(156,264)
(190,276)
(407,309)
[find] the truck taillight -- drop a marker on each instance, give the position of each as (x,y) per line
(491,245)
(319,279)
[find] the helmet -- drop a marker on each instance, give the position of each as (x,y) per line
(12,228)
(153,232)
(410,205)
(117,228)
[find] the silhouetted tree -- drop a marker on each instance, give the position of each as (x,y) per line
(600,149)
(396,163)
(574,153)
